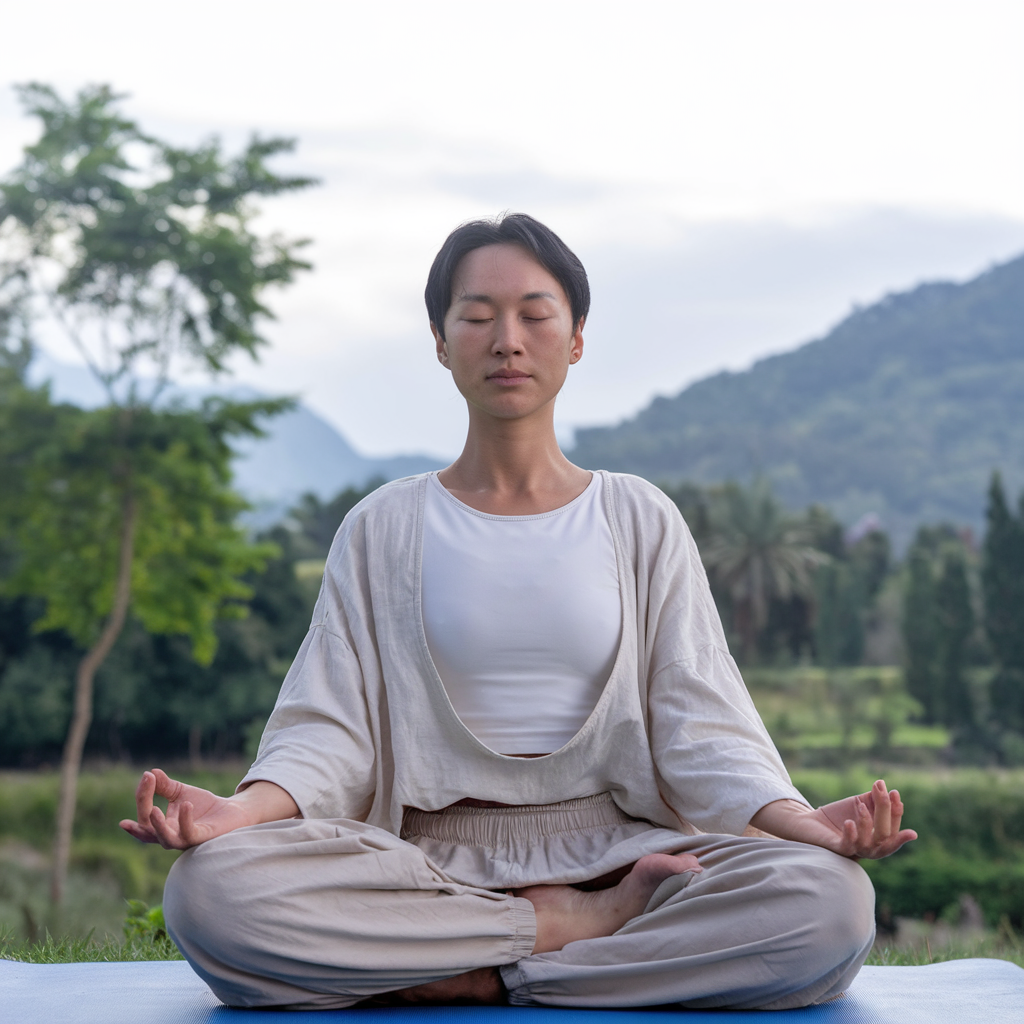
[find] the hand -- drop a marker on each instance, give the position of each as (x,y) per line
(193,815)
(867,825)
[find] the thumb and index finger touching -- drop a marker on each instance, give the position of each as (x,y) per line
(149,818)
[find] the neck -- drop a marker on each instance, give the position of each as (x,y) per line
(513,467)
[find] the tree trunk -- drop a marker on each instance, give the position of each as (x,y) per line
(81,717)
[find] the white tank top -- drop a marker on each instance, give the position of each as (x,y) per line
(522,616)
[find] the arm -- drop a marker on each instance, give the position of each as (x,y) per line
(195,815)
(867,825)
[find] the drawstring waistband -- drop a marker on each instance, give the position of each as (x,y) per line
(500,826)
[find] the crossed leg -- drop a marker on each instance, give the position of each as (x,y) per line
(320,914)
(564,914)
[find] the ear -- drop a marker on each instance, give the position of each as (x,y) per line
(441,346)
(576,351)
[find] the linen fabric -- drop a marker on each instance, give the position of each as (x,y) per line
(363,727)
(522,616)
(325,913)
(385,884)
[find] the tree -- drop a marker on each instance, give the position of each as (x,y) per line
(955,620)
(920,628)
(758,553)
(1002,580)
(939,626)
(143,254)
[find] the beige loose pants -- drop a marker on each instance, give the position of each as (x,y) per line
(323,913)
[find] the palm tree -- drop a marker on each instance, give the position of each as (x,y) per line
(757,552)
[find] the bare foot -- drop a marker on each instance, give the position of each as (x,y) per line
(565,914)
(482,987)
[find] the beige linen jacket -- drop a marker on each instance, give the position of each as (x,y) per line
(363,727)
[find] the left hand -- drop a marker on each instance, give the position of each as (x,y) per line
(866,825)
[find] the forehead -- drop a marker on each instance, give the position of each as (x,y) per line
(502,272)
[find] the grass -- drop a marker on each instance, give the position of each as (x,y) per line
(70,950)
(989,947)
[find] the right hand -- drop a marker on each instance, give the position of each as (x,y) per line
(193,815)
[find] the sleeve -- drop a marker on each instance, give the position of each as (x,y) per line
(710,746)
(318,744)
(715,758)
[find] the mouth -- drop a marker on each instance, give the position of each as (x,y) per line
(507,377)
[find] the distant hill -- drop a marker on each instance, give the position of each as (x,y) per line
(300,453)
(904,409)
(303,452)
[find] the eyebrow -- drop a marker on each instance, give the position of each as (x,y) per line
(487,298)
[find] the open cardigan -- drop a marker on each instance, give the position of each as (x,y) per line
(363,728)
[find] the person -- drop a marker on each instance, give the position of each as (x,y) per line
(513,759)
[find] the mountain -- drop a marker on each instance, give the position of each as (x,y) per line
(903,409)
(301,452)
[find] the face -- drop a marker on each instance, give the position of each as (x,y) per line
(509,334)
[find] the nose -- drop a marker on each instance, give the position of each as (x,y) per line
(507,336)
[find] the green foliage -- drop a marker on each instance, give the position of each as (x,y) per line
(788,587)
(149,243)
(188,551)
(971,825)
(757,554)
(940,628)
(144,922)
(153,699)
(836,716)
(143,254)
(845,590)
(1003,588)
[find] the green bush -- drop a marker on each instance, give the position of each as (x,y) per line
(971,828)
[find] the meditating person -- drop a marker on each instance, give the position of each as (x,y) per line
(513,759)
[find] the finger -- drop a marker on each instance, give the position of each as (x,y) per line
(186,823)
(883,812)
(134,829)
(166,834)
(865,826)
(144,798)
(166,786)
(849,838)
(894,843)
(907,835)
(895,810)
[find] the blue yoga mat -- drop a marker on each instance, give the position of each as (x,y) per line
(958,992)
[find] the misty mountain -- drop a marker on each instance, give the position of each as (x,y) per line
(904,409)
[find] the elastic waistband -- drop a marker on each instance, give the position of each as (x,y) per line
(500,826)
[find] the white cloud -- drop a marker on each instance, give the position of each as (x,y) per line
(734,174)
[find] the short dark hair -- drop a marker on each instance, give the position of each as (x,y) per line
(518,229)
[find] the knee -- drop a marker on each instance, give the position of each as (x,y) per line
(197,908)
(842,908)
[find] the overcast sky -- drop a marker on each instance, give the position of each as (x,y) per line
(735,175)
